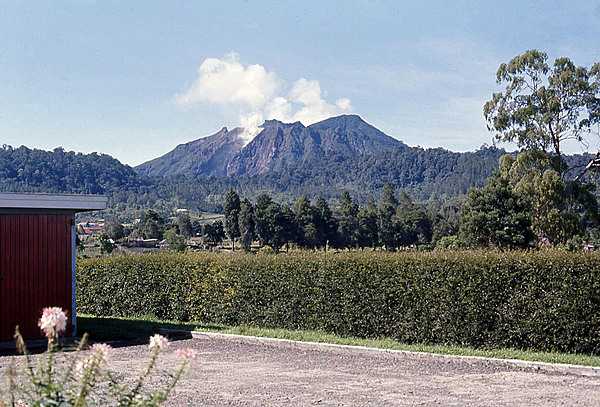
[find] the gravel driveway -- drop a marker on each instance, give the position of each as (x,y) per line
(237,371)
(234,371)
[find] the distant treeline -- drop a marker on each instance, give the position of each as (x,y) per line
(421,173)
(392,222)
(517,208)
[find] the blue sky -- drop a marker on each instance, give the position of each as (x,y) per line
(131,79)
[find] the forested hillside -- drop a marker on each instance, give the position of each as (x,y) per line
(421,173)
(24,169)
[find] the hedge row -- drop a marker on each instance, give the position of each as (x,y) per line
(542,301)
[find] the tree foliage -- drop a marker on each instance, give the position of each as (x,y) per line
(213,233)
(151,225)
(387,210)
(114,229)
(496,216)
(231,210)
(278,226)
(543,105)
(347,215)
(307,227)
(175,241)
(368,235)
(107,245)
(247,224)
(184,224)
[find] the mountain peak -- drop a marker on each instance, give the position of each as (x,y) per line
(279,123)
(345,120)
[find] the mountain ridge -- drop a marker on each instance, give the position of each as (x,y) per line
(278,145)
(213,152)
(342,153)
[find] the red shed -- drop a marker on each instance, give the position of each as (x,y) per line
(37,257)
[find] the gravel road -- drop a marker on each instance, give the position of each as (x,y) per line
(234,371)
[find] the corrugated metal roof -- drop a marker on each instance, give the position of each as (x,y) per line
(78,203)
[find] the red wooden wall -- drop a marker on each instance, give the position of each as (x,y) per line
(35,270)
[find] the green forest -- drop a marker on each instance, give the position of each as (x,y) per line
(421,173)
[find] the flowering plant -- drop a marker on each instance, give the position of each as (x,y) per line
(82,378)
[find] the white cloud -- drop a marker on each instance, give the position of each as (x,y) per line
(227,81)
(258,94)
(279,108)
(306,94)
(251,123)
(344,104)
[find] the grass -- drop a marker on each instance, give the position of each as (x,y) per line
(138,330)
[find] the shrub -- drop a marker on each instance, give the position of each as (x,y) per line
(449,243)
(547,300)
(74,379)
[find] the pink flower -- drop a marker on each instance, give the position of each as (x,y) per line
(186,353)
(102,351)
(95,361)
(53,321)
(82,366)
(158,342)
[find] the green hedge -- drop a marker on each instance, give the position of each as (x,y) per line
(545,300)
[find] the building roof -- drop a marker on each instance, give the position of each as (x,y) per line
(77,203)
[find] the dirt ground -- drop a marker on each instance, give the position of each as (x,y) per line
(233,371)
(250,372)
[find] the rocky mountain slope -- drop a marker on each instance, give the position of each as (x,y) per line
(206,156)
(277,147)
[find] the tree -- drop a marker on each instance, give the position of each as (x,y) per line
(325,224)
(184,224)
(304,217)
(288,224)
(559,208)
(231,209)
(213,233)
(411,222)
(107,245)
(175,241)
(387,211)
(541,106)
(278,226)
(114,229)
(196,228)
(444,216)
(496,216)
(368,231)
(406,232)
(247,224)
(151,225)
(347,221)
(262,217)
